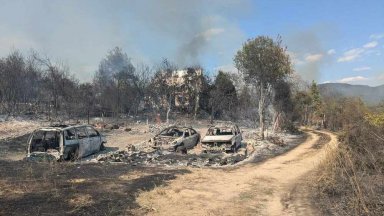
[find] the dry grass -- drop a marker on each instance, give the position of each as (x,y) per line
(350,180)
(81,200)
(16,128)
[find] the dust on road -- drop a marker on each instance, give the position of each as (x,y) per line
(274,187)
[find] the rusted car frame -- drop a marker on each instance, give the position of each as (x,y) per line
(65,142)
(222,138)
(175,138)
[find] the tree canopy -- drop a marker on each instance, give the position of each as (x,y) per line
(263,61)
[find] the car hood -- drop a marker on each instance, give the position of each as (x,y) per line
(222,138)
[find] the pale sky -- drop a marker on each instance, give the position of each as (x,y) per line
(329,41)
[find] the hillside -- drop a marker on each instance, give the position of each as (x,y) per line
(370,95)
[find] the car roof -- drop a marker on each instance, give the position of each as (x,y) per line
(61,127)
(178,127)
(223,126)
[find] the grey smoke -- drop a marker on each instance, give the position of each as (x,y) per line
(308,42)
(82,32)
(189,26)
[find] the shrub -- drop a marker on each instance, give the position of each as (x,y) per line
(350,179)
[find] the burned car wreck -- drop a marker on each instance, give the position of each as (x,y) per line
(63,142)
(222,138)
(177,139)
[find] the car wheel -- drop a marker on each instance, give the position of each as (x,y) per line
(74,155)
(181,149)
(102,147)
(234,149)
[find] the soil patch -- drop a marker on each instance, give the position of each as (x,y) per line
(29,188)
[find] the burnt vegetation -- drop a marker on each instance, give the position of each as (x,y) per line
(37,86)
(69,189)
(265,94)
(350,179)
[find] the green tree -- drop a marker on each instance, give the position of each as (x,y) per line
(282,104)
(223,96)
(316,104)
(263,62)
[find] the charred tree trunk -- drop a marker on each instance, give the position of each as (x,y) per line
(276,124)
(169,108)
(196,105)
(261,110)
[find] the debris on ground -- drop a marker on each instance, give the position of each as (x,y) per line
(129,143)
(166,158)
(252,149)
(44,156)
(276,140)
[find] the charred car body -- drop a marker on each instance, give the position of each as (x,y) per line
(222,138)
(65,142)
(175,138)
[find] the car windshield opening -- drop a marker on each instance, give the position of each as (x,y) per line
(174,132)
(219,131)
(42,141)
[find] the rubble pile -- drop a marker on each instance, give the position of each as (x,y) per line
(165,158)
(254,149)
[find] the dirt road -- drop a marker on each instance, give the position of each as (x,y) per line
(274,187)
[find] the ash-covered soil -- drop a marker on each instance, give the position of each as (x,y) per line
(165,158)
(128,144)
(31,188)
(141,154)
(109,182)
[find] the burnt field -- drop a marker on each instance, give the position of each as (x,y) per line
(30,188)
(14,148)
(108,183)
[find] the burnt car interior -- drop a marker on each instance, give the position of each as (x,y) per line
(173,132)
(70,134)
(44,140)
(220,131)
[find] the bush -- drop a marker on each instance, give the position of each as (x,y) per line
(350,180)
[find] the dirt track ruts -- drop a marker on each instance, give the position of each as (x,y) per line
(273,187)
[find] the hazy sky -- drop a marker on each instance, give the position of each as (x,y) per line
(330,41)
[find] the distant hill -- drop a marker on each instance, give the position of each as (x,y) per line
(370,95)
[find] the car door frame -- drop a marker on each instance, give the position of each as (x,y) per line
(95,141)
(85,148)
(238,138)
(187,141)
(194,137)
(70,145)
